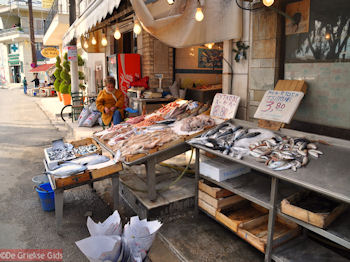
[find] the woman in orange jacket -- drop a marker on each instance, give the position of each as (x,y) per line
(110,102)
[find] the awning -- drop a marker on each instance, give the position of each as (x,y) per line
(95,13)
(175,25)
(42,68)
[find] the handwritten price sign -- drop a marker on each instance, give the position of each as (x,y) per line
(224,106)
(279,105)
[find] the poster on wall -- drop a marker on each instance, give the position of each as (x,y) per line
(209,58)
(327,39)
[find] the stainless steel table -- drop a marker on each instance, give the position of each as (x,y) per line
(150,162)
(59,192)
(328,175)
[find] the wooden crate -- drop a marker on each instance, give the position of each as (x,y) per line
(212,189)
(219,202)
(85,142)
(206,207)
(322,220)
(239,213)
(255,232)
(102,172)
(74,179)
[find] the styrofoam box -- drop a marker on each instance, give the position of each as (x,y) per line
(221,169)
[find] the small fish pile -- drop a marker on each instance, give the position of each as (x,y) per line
(196,123)
(225,137)
(61,153)
(83,150)
(141,143)
(281,153)
(150,120)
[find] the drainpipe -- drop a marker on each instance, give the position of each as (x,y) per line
(227,70)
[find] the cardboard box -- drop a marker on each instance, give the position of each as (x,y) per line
(220,169)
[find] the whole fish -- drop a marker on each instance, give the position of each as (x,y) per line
(67,170)
(249,135)
(240,133)
(276,164)
(215,129)
(288,165)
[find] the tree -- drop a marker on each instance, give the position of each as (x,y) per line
(81,74)
(57,74)
(65,87)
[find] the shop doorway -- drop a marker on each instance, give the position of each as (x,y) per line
(16,75)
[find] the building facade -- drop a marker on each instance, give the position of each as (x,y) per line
(15,48)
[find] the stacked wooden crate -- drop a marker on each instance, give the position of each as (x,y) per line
(248,220)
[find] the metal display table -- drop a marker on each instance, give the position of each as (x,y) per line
(150,162)
(59,193)
(327,175)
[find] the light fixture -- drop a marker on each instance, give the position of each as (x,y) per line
(171,2)
(209,45)
(86,45)
(199,14)
(104,41)
(327,36)
(137,27)
(117,34)
(268,2)
(93,40)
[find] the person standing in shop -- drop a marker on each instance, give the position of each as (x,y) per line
(36,81)
(25,85)
(110,102)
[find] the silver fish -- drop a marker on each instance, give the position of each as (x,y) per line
(276,164)
(311,146)
(284,167)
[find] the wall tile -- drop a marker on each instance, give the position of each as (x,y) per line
(264,48)
(261,78)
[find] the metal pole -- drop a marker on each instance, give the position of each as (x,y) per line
(272,217)
(31,32)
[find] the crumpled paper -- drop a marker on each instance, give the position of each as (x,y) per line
(107,243)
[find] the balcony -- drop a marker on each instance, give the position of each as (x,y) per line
(18,33)
(56,24)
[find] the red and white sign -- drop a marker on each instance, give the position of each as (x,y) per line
(72,53)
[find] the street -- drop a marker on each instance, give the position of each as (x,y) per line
(24,132)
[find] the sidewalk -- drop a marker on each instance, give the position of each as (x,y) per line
(52,108)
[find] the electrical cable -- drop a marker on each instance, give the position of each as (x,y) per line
(172,183)
(248,9)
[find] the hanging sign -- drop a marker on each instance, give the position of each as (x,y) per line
(279,106)
(224,106)
(72,53)
(50,52)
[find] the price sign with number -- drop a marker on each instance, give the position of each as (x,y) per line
(279,106)
(224,106)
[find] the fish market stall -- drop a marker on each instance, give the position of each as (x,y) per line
(283,164)
(161,135)
(70,165)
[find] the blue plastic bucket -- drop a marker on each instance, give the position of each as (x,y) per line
(47,199)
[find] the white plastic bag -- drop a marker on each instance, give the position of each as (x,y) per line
(91,119)
(101,248)
(83,115)
(111,226)
(139,236)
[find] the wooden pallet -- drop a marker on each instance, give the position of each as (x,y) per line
(283,85)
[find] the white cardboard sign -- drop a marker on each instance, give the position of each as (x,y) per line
(279,106)
(224,106)
(72,53)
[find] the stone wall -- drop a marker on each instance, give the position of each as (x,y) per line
(157,58)
(264,55)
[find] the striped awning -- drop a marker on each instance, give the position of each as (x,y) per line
(95,13)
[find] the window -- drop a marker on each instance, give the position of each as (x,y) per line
(38,26)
